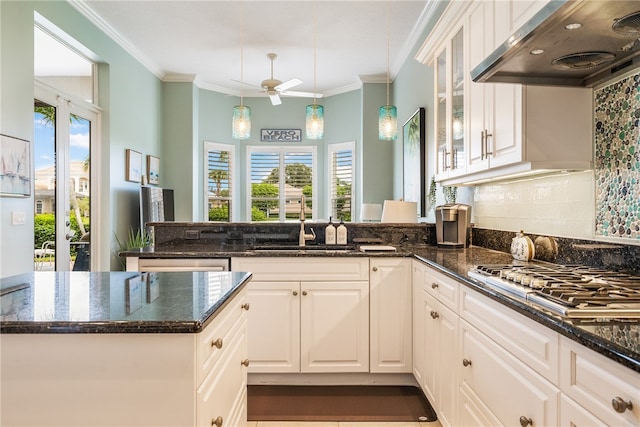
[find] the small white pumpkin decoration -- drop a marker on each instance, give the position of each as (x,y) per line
(522,247)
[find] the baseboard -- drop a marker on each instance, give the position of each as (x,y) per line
(333,379)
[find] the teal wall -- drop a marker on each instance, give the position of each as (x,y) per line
(171,120)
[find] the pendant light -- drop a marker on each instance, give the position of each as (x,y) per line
(388,114)
(241,121)
(314,113)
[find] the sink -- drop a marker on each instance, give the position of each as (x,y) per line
(307,248)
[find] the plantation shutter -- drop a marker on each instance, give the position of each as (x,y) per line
(341,173)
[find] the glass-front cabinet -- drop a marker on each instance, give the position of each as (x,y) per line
(449,110)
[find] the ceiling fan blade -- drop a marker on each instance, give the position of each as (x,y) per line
(246,84)
(275,99)
(301,94)
(288,84)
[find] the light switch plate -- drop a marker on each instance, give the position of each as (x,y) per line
(18,218)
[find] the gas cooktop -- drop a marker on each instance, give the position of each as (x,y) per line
(573,291)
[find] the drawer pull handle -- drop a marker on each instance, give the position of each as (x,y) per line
(434,285)
(375,268)
(304,293)
(245,306)
(467,362)
(217,343)
(621,405)
(217,422)
(524,421)
(295,293)
(434,314)
(245,363)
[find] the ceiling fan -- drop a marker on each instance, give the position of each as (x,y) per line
(275,88)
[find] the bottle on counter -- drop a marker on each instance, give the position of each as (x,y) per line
(330,233)
(341,233)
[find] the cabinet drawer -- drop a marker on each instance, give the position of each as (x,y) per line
(443,288)
(531,342)
(219,393)
(508,388)
(303,268)
(213,342)
(593,381)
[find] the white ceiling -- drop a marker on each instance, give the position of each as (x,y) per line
(178,40)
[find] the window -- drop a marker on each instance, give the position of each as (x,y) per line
(38,206)
(278,178)
(219,182)
(341,183)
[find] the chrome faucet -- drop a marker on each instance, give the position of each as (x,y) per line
(302,239)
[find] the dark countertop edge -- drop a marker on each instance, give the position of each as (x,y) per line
(539,315)
(151,253)
(126,326)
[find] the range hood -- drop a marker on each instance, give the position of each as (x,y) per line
(546,51)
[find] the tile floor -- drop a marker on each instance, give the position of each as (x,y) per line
(339,424)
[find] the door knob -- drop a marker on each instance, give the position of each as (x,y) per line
(466,362)
(217,422)
(620,405)
(375,268)
(217,343)
(245,306)
(245,363)
(524,421)
(304,292)
(295,293)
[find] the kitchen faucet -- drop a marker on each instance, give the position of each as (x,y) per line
(304,236)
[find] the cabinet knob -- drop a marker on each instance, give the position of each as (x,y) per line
(217,422)
(295,293)
(245,306)
(217,343)
(434,285)
(466,362)
(375,268)
(524,421)
(621,405)
(245,363)
(434,314)
(304,292)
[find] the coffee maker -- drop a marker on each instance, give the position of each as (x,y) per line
(453,225)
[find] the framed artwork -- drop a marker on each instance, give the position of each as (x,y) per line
(414,160)
(134,166)
(153,170)
(15,167)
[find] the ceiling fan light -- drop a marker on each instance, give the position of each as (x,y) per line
(241,123)
(387,123)
(315,121)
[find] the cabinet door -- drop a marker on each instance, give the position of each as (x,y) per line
(441,113)
(419,319)
(274,326)
(390,324)
(507,387)
(334,327)
(574,415)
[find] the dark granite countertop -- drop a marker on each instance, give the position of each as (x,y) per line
(617,340)
(114,302)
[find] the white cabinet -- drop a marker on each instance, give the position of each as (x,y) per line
(599,385)
(390,324)
(149,379)
(176,264)
(308,314)
(436,354)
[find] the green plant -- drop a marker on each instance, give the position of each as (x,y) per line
(432,193)
(450,194)
(135,240)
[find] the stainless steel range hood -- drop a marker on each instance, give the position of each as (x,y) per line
(545,52)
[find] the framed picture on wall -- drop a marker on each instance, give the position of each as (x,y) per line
(134,166)
(414,160)
(15,167)
(153,170)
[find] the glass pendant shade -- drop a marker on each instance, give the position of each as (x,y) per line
(241,125)
(387,123)
(315,121)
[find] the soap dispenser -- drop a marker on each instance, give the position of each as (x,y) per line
(330,233)
(341,233)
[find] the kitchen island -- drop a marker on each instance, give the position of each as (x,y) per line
(123,349)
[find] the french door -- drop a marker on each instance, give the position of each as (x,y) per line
(63,134)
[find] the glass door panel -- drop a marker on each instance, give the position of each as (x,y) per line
(441,112)
(457,101)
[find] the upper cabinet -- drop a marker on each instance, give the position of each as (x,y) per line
(487,131)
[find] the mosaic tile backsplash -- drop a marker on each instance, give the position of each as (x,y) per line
(617,159)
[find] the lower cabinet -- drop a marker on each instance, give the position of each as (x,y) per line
(308,315)
(509,390)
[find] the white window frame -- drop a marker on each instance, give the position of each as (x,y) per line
(282,150)
(331,149)
(233,165)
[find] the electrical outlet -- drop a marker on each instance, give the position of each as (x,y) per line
(18,218)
